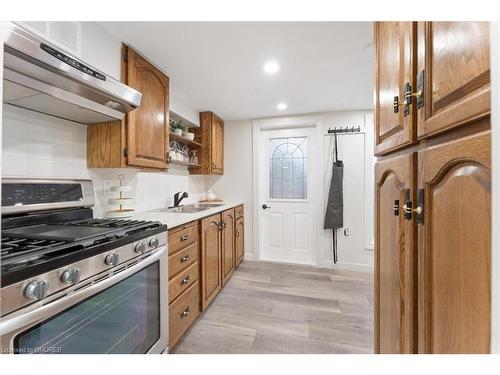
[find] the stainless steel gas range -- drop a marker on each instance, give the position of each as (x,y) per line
(71,283)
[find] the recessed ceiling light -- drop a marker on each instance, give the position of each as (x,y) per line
(281,106)
(271,67)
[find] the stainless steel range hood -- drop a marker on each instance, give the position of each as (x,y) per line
(40,77)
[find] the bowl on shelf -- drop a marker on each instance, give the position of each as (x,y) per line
(188,135)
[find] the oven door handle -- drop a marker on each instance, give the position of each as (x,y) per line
(19,321)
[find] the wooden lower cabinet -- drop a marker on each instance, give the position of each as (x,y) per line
(239,243)
(211,259)
(395,266)
(433,259)
(455,246)
(183,285)
(182,313)
(228,248)
(202,258)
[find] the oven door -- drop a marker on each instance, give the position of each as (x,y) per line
(123,313)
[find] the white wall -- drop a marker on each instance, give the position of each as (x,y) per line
(356,251)
(236,183)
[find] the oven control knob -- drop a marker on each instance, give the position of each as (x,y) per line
(36,290)
(154,242)
(140,247)
(111,259)
(71,276)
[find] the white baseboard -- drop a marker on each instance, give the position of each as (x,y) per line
(248,256)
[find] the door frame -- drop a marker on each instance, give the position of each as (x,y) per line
(283,123)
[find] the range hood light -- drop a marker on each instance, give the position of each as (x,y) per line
(112,104)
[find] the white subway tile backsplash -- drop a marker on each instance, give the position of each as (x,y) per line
(13,165)
(14,146)
(37,145)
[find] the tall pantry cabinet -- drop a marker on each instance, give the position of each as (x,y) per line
(433,187)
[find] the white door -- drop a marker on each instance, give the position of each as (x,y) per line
(286,207)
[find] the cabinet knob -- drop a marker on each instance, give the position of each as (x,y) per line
(185,258)
(185,237)
(186,280)
(186,312)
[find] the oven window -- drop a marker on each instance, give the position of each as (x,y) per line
(122,319)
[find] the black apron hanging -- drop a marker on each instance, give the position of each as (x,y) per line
(334,215)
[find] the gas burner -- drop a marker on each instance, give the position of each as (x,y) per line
(35,242)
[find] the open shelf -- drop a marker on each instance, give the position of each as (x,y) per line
(184,141)
(185,163)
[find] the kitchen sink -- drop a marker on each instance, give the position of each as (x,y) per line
(188,209)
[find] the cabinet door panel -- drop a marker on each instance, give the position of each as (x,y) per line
(394,53)
(217,145)
(211,247)
(147,126)
(228,253)
(395,272)
(455,247)
(240,239)
(456,59)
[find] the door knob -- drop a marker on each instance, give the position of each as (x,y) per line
(264,206)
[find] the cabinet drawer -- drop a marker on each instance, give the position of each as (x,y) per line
(182,313)
(239,212)
(182,281)
(181,260)
(182,237)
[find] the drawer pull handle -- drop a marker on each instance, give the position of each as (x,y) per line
(185,258)
(185,237)
(186,312)
(185,280)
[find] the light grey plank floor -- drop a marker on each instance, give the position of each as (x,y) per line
(281,308)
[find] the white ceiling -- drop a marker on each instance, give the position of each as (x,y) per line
(217,66)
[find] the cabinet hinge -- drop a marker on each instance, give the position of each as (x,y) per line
(395,207)
(125,152)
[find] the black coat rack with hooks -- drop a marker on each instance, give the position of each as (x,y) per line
(347,129)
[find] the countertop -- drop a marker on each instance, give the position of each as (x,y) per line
(173,219)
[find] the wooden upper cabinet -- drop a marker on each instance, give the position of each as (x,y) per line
(211,135)
(455,60)
(211,259)
(395,266)
(394,54)
(455,247)
(141,139)
(217,145)
(147,126)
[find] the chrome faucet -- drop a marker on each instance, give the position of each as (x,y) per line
(178,197)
